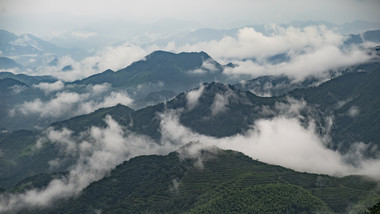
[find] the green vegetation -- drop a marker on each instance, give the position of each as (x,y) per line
(268,198)
(229,182)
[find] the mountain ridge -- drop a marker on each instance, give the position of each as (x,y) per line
(168,183)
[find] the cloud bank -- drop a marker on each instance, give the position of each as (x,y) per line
(69,104)
(309,51)
(295,52)
(98,151)
(282,140)
(110,57)
(50,87)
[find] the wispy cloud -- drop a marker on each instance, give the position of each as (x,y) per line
(193,96)
(50,87)
(110,57)
(283,141)
(98,151)
(69,104)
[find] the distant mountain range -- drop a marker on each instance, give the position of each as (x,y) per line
(7,63)
(158,77)
(31,51)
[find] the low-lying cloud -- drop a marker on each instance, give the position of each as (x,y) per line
(50,87)
(311,64)
(110,57)
(208,66)
(98,151)
(283,141)
(310,51)
(249,43)
(291,51)
(192,97)
(69,104)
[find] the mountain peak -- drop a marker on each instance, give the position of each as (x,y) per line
(161,53)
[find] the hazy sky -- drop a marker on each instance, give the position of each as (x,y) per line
(42,16)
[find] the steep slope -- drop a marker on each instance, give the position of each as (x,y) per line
(228,181)
(354,102)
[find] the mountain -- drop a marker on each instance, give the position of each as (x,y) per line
(268,86)
(7,83)
(228,182)
(174,70)
(7,63)
(368,36)
(29,80)
(358,26)
(162,73)
(157,78)
(15,90)
(222,110)
(27,49)
(353,101)
(13,45)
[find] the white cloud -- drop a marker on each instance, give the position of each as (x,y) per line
(353,111)
(193,96)
(252,44)
(314,64)
(69,104)
(110,57)
(281,141)
(115,98)
(207,66)
(219,104)
(117,57)
(16,89)
(312,51)
(221,101)
(50,87)
(99,88)
(99,151)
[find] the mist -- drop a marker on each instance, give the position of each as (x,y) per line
(98,151)
(298,53)
(309,52)
(66,103)
(281,140)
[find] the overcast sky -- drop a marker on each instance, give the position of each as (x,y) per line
(42,16)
